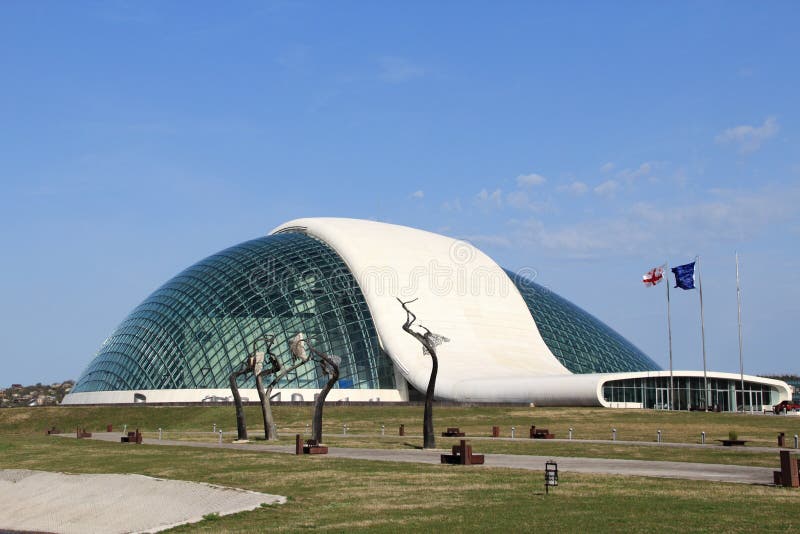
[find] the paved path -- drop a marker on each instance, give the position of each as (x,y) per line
(56,502)
(682,470)
(710,444)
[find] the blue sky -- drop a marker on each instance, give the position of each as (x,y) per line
(586,141)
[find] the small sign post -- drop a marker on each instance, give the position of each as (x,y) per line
(550,475)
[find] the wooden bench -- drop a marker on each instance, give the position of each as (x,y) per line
(462,455)
(453,432)
(132,437)
(733,442)
(540,433)
(312,447)
(81,433)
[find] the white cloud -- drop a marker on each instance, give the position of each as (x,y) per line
(490,199)
(517,199)
(749,138)
(528,180)
(729,216)
(419,193)
(629,176)
(521,201)
(576,188)
(607,188)
(452,205)
(608,167)
(398,70)
(584,239)
(490,240)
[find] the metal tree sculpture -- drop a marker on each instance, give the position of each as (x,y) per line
(278,372)
(330,367)
(429,340)
(256,363)
(246,366)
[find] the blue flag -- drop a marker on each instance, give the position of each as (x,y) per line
(684,276)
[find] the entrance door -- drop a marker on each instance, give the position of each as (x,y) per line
(662,399)
(756,403)
(723,402)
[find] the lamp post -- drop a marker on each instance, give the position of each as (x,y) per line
(550,475)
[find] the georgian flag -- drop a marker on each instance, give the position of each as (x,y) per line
(653,276)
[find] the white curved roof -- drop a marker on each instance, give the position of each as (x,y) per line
(462,295)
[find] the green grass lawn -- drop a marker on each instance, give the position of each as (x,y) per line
(588,423)
(348,495)
(340,495)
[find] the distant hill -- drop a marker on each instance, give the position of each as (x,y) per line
(36,395)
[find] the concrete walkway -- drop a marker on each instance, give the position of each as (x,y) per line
(710,444)
(649,468)
(40,501)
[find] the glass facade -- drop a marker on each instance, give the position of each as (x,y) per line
(198,327)
(654,392)
(580,341)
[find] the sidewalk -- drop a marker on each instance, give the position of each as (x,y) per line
(40,501)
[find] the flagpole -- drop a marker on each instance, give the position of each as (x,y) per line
(669,332)
(739,306)
(703,332)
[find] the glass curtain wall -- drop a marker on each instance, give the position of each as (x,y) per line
(199,326)
(653,392)
(580,341)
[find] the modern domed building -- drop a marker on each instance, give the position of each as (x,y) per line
(504,337)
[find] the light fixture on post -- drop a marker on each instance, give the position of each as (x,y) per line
(550,475)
